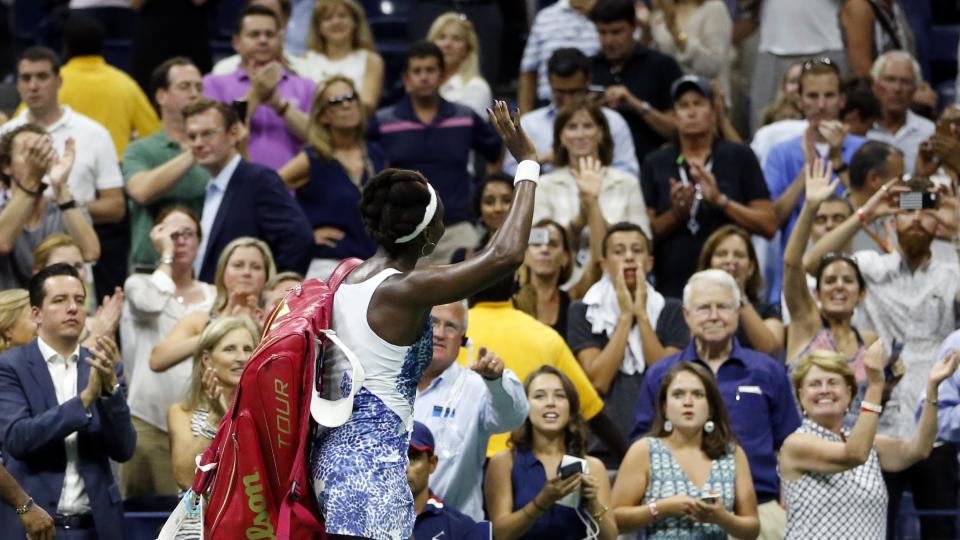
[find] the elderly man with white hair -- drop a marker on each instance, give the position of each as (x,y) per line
(754,387)
(895,76)
(463,407)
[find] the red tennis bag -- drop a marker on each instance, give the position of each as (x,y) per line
(254,474)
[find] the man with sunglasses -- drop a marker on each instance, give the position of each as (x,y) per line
(825,138)
(911,297)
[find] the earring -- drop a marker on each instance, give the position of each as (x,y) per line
(709,426)
(668,426)
(423,249)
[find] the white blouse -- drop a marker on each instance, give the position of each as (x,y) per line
(620,198)
(474,93)
(150,312)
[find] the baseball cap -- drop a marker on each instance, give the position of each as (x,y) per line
(422,439)
(691,82)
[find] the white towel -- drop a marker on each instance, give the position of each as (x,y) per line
(603,312)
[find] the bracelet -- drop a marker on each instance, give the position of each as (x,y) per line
(725,202)
(527,169)
(866,406)
(599,515)
(21,510)
(861,216)
(35,194)
(932,402)
(67,205)
(652,505)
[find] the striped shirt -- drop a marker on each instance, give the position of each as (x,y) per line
(440,150)
(555,27)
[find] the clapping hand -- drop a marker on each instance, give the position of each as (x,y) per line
(818,181)
(106,356)
(107,318)
(681,198)
(488,364)
(509,129)
(264,82)
(707,182)
(834,132)
(61,168)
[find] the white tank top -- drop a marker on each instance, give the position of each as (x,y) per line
(318,67)
(382,361)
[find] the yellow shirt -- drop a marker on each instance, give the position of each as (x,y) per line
(109,96)
(525,344)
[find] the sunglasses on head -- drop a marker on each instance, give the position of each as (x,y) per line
(819,61)
(831,256)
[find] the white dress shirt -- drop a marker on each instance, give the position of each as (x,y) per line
(63,371)
(462,410)
(216,188)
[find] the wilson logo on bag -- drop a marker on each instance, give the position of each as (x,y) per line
(254,474)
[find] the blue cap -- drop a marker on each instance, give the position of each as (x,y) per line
(691,82)
(421,439)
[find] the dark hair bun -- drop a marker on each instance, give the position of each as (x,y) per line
(392,205)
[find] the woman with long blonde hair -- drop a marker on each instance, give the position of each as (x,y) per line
(244,267)
(330,172)
(462,83)
(340,43)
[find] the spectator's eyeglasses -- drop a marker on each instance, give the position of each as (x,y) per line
(820,61)
(185,234)
(345,98)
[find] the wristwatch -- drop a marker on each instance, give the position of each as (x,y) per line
(67,205)
(644,107)
(168,260)
(21,510)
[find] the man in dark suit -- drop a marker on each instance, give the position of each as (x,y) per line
(63,416)
(242,199)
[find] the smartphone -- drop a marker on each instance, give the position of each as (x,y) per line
(710,498)
(596,89)
(539,236)
(895,349)
(570,469)
(918,200)
(240,107)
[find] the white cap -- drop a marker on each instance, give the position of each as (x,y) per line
(332,405)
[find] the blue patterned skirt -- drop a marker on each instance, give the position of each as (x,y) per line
(360,473)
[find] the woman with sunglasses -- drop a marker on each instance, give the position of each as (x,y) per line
(823,321)
(330,172)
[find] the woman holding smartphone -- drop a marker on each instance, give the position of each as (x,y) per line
(688,478)
(528,487)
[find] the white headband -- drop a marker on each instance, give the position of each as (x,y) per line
(427,218)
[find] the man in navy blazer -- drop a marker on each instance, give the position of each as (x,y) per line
(243,198)
(63,416)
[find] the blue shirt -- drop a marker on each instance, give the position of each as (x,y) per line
(438,521)
(331,199)
(558,522)
(462,410)
(759,399)
(440,150)
(784,163)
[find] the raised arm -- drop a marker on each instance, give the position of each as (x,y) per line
(436,285)
(801,304)
(74,220)
(877,206)
(805,452)
(898,454)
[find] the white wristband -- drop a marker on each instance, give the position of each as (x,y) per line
(527,170)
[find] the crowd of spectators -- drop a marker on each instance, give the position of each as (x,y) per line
(738,304)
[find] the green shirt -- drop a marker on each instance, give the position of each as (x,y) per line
(143,155)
